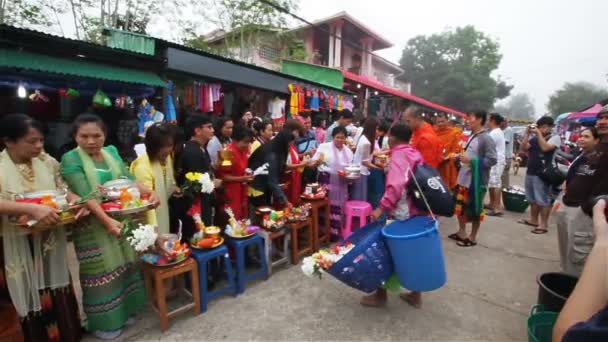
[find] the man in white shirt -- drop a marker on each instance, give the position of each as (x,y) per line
(509,146)
(495,182)
(345,118)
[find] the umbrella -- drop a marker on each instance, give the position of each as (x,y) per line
(589,112)
(561,117)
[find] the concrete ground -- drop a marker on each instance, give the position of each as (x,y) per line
(487,297)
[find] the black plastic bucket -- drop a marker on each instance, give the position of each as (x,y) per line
(554,289)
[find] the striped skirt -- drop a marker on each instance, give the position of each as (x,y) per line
(112,284)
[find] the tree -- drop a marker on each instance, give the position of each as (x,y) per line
(519,106)
(573,97)
(454,67)
(31,13)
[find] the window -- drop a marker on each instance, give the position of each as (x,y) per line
(269,53)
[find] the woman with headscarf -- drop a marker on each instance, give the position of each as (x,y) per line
(33,268)
(332,157)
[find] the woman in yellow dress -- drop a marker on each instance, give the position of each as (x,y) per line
(155,170)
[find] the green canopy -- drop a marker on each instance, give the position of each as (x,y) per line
(76,67)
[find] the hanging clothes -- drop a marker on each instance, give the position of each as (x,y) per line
(294,99)
(314,102)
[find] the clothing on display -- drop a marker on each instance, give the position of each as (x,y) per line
(276,108)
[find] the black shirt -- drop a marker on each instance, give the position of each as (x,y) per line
(194,159)
(537,158)
(590,178)
(595,329)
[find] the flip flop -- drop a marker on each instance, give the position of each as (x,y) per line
(494,213)
(466,243)
(455,237)
(539,231)
(527,223)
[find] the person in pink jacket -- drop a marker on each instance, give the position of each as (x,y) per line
(395,202)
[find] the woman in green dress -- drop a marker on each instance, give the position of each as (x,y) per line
(112,285)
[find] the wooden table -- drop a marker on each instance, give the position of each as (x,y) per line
(297,228)
(320,236)
(154,279)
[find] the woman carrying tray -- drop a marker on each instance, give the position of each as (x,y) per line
(43,298)
(112,286)
(394,202)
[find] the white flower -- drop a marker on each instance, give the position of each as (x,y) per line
(308,266)
(143,237)
(206,182)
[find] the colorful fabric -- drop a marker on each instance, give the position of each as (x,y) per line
(425,140)
(235,193)
(112,285)
(294,99)
(451,138)
(469,201)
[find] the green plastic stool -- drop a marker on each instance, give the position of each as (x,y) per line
(540,324)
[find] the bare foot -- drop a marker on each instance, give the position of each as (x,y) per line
(375,300)
(413,298)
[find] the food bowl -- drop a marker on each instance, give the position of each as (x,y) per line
(353,171)
(113,189)
(212,232)
(59,197)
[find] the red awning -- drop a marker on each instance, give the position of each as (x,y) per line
(381,87)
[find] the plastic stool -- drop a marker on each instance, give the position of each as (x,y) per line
(271,251)
(240,247)
(202,258)
(352,209)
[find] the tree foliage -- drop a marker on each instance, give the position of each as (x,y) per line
(519,107)
(572,97)
(454,68)
(31,13)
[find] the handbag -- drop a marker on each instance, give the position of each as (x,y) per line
(427,190)
(551,173)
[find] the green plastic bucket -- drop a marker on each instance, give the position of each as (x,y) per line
(540,324)
(514,202)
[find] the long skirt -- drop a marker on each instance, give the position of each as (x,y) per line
(375,187)
(112,284)
(336,209)
(359,189)
(57,321)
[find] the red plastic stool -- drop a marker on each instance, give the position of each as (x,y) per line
(359,209)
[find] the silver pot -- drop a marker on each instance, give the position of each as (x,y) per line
(112,189)
(353,171)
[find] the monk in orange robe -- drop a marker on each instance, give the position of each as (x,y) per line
(424,138)
(451,137)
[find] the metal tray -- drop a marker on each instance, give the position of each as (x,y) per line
(130,211)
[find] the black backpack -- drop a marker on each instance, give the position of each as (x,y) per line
(426,183)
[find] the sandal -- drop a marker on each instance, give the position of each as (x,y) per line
(455,237)
(466,243)
(527,223)
(539,231)
(494,213)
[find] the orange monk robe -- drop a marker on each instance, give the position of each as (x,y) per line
(451,137)
(428,144)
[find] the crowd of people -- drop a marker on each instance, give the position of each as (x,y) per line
(294,153)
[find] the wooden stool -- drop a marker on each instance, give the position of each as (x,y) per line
(299,229)
(320,235)
(154,279)
(271,249)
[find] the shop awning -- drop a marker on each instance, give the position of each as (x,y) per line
(76,67)
(399,93)
(320,74)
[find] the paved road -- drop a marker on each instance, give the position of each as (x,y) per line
(489,292)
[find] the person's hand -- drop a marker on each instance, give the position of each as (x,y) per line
(600,226)
(113,227)
(177,192)
(154,199)
(217,183)
(465,159)
(377,213)
(288,205)
(248,178)
(45,215)
(82,211)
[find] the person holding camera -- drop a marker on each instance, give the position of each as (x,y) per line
(541,145)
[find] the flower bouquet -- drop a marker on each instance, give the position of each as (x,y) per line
(324,259)
(238,229)
(197,183)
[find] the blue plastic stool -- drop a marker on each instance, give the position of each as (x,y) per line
(202,258)
(240,247)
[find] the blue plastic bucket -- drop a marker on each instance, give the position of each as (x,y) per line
(417,254)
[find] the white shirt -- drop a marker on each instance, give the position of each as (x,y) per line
(327,149)
(213,147)
(362,153)
(508,142)
(499,139)
(276,108)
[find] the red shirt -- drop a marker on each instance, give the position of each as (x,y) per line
(425,140)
